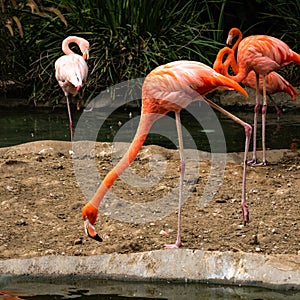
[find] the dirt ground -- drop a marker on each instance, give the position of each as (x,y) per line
(41,202)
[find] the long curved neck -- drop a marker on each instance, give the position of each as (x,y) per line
(233,62)
(82,44)
(240,73)
(239,34)
(65,44)
(219,66)
(143,129)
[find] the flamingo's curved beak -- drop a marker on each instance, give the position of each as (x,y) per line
(91,231)
(229,39)
(85,54)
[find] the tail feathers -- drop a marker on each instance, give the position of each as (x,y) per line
(292,92)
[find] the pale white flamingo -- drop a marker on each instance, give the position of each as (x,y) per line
(71,70)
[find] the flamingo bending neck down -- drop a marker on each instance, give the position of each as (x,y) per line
(169,87)
(71,71)
(261,54)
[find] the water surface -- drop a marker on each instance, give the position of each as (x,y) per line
(91,288)
(20,126)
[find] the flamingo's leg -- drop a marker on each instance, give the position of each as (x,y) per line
(264,116)
(253,162)
(182,170)
(248,132)
(278,113)
(278,110)
(70,117)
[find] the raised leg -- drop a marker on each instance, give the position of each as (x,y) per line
(248,132)
(278,110)
(278,113)
(182,170)
(70,118)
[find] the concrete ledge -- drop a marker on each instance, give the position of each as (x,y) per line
(281,271)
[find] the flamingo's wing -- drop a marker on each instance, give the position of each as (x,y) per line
(72,68)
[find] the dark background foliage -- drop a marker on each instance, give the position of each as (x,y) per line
(128,38)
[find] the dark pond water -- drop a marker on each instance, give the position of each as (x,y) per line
(68,288)
(20,126)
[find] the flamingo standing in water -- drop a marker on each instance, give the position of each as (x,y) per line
(261,54)
(71,70)
(274,83)
(169,87)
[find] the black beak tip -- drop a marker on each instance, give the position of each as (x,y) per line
(96,238)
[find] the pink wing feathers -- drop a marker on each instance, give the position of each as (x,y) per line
(181,82)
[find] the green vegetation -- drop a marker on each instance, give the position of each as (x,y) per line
(128,37)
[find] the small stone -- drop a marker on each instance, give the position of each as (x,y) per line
(164,233)
(9,188)
(220,201)
(78,241)
(21,223)
(257,249)
(49,252)
(78,252)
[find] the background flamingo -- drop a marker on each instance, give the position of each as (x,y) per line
(261,54)
(170,87)
(71,70)
(274,83)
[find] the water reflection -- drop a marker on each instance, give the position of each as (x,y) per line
(71,288)
(19,126)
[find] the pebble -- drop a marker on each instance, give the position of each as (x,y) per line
(9,188)
(49,251)
(78,241)
(164,233)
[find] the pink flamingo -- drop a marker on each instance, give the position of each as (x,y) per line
(169,87)
(261,54)
(274,84)
(71,70)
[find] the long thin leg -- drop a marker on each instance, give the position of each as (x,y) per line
(253,162)
(70,118)
(264,116)
(248,131)
(182,170)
